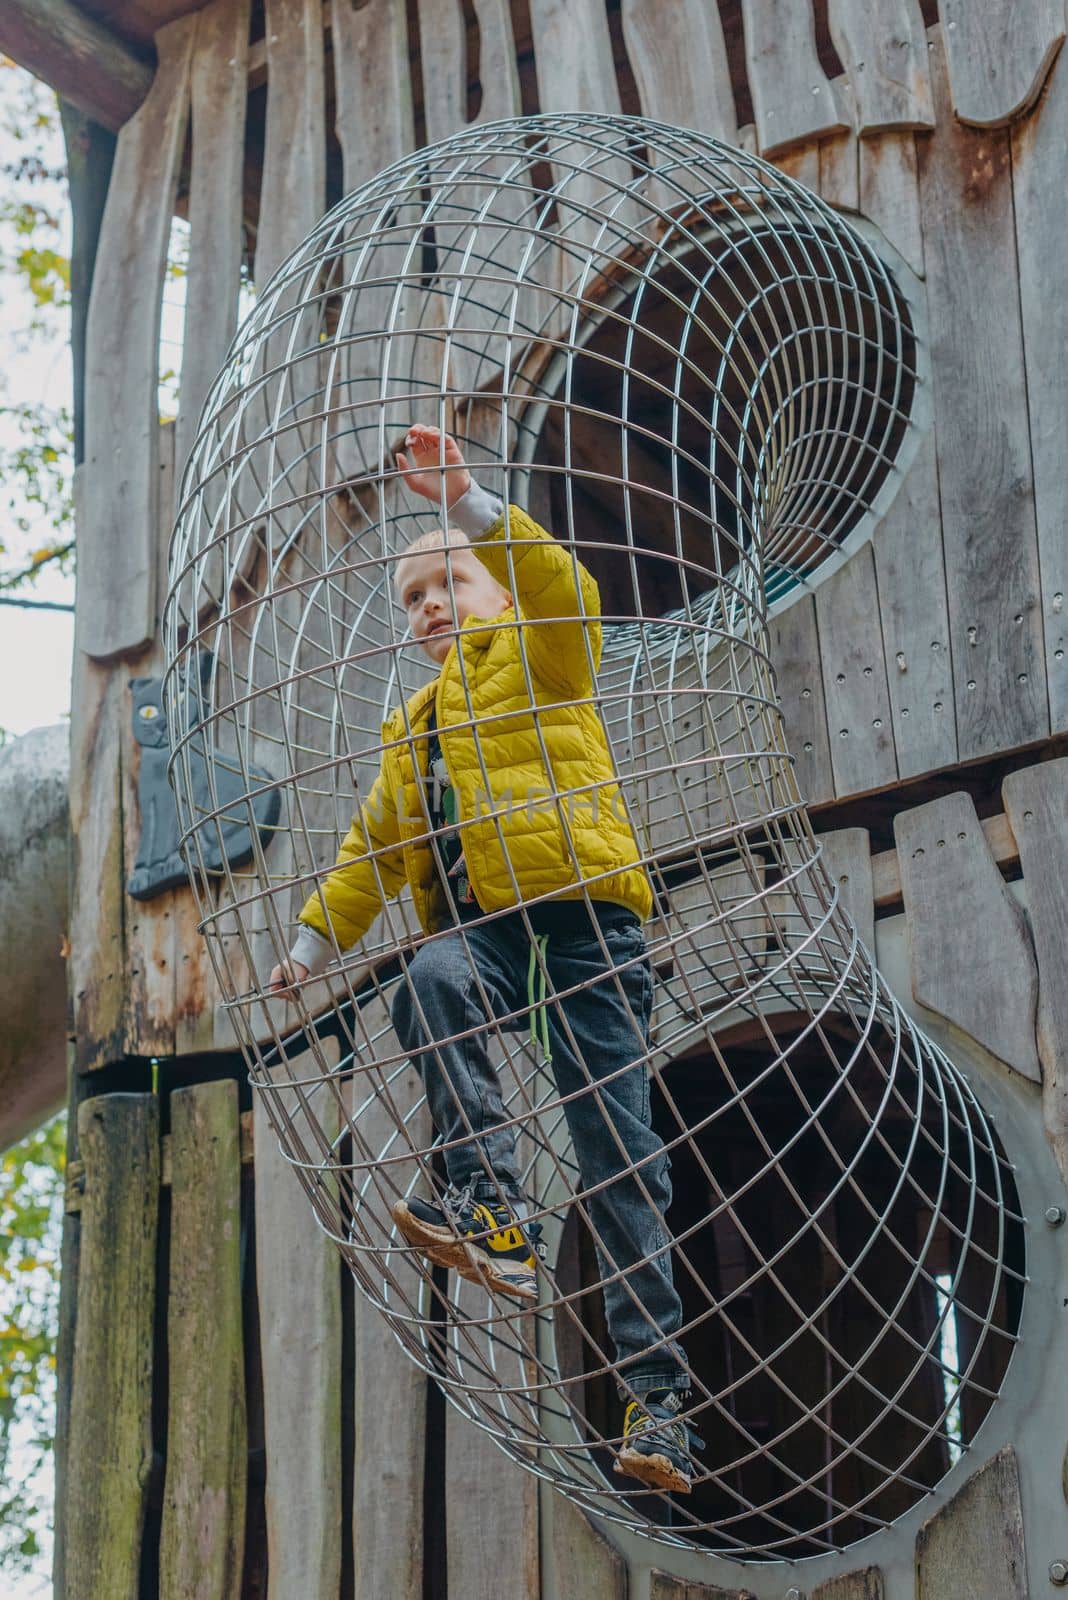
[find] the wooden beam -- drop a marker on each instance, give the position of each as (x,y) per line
(76,56)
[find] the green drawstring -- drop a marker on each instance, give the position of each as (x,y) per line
(537,1007)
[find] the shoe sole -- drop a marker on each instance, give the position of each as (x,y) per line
(444,1249)
(656,1471)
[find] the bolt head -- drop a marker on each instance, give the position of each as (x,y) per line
(1058,1573)
(794,1594)
(1054,1216)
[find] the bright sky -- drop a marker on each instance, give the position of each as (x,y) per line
(35,646)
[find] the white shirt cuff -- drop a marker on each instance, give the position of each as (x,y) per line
(476,511)
(312,951)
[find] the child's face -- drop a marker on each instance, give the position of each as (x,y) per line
(423,587)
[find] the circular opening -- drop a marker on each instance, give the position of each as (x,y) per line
(757,391)
(851,1267)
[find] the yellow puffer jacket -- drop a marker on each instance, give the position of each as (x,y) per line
(561,826)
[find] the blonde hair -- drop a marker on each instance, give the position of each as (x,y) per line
(435,539)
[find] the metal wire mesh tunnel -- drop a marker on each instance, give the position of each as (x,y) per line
(702,381)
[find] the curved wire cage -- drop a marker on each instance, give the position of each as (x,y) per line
(701,380)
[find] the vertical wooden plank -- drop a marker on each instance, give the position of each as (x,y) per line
(854,677)
(795,656)
(584,1562)
(680,65)
(482,1549)
(998,55)
(110,1449)
(792,98)
(970,954)
(219,93)
(477,299)
(890,192)
(293,188)
(974,1545)
(883,46)
(914,613)
(839,180)
(1036,802)
(117,528)
(298,1289)
(984,455)
(292,196)
(374,122)
(574,56)
(203,1532)
(390,1390)
(441,26)
(148,925)
(847,857)
(1038,146)
(866,1584)
(97,968)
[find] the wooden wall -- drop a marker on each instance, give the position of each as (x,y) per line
(940,643)
(257,1428)
(942,639)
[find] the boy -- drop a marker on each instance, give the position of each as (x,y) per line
(514,800)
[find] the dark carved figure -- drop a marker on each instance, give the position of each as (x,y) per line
(224,801)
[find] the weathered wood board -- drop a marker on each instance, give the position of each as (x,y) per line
(914,614)
(390,1390)
(219,96)
(859,723)
(998,55)
(149,925)
(792,97)
(847,858)
(795,656)
(890,192)
(984,455)
(867,1584)
(1036,801)
(974,1545)
(970,953)
(203,1531)
(119,510)
(680,65)
(1038,147)
(662,1586)
(883,48)
(293,190)
(109,1458)
(96,968)
(373,118)
(482,1548)
(299,1293)
(583,1561)
(839,157)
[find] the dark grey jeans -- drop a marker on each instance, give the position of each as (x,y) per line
(604,1025)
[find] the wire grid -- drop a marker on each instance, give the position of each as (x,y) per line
(701,379)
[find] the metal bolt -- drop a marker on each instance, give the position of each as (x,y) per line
(1055,1215)
(794,1594)
(1058,1573)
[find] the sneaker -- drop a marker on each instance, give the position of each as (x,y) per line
(482,1239)
(656,1444)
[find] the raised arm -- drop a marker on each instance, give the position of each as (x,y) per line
(554,590)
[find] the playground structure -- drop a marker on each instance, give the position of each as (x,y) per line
(921,689)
